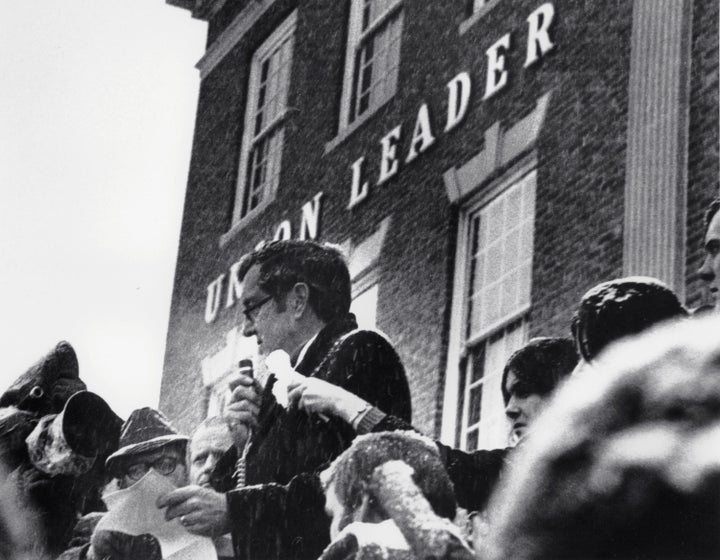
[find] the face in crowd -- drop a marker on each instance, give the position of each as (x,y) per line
(531,376)
(291,290)
(168,462)
(522,407)
(265,317)
(710,270)
(206,448)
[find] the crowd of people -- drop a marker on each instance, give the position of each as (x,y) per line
(612,452)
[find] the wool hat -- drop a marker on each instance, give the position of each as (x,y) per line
(145,430)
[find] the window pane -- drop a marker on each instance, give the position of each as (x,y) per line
(364,306)
(471,443)
(266,103)
(493,431)
(500,261)
(477,363)
(376,62)
(474,404)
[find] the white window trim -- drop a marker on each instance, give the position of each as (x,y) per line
(355,37)
(457,345)
(280,34)
(480,10)
(466,427)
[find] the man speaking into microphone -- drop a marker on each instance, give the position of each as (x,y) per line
(296,298)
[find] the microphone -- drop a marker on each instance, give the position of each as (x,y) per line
(245,367)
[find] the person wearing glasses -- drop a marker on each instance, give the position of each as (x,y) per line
(147,441)
(296,298)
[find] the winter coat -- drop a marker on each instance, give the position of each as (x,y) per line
(292,442)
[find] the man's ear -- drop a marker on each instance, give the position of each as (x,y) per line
(300,299)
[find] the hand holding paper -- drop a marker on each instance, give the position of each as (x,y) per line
(134,511)
(201,510)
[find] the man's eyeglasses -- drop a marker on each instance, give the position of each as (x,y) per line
(247,311)
(164,465)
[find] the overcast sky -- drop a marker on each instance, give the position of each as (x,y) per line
(97,107)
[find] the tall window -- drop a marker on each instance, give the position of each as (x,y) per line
(373,55)
(259,169)
(497,299)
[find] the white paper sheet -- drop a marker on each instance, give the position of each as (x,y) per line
(133,511)
(278,362)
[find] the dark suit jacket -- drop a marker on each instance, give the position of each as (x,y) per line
(271,520)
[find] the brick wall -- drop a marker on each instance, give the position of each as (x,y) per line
(581,158)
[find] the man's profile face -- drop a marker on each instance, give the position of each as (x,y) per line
(522,407)
(168,462)
(710,270)
(206,447)
(263,318)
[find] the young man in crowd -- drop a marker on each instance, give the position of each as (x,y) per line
(632,472)
(710,270)
(147,441)
(296,298)
(619,308)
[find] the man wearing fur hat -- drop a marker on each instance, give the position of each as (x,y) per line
(54,439)
(147,441)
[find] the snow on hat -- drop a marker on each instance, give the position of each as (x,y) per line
(145,430)
(47,385)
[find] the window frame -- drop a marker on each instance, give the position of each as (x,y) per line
(282,33)
(479,9)
(356,38)
(465,428)
(461,342)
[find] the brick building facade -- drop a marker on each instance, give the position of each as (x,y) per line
(483,163)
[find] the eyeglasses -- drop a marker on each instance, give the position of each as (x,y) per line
(164,465)
(253,307)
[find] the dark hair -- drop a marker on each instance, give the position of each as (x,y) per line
(712,209)
(627,473)
(540,365)
(619,308)
(352,470)
(321,266)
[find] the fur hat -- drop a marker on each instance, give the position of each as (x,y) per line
(145,430)
(47,385)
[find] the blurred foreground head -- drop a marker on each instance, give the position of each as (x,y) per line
(625,464)
(619,308)
(347,479)
(20,536)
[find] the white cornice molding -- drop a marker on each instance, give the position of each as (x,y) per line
(230,37)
